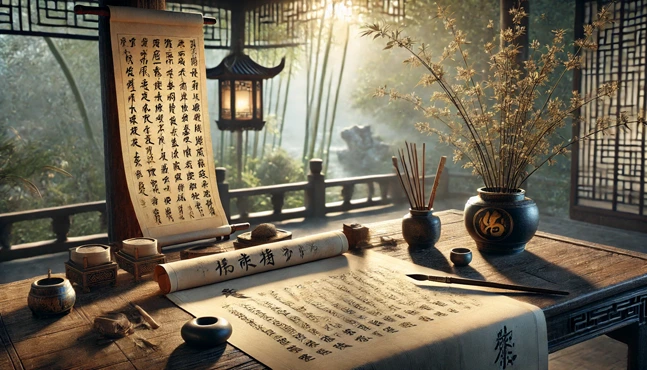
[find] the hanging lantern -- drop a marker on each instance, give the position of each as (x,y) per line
(240,88)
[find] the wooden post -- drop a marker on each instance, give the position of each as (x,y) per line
(5,236)
(347,194)
(316,194)
(239,152)
(61,227)
(223,190)
(237,28)
(577,86)
(278,200)
(122,221)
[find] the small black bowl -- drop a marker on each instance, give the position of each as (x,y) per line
(461,256)
(206,331)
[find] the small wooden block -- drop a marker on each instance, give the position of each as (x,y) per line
(91,276)
(138,267)
(356,234)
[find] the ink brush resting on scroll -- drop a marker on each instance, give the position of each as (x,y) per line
(462,281)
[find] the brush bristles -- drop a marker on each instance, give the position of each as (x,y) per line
(419,277)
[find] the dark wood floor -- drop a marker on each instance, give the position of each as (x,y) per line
(602,353)
(598,354)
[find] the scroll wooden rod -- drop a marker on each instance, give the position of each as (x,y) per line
(104,11)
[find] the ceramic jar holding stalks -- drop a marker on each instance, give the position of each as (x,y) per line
(420,227)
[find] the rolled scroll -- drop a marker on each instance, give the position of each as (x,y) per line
(219,267)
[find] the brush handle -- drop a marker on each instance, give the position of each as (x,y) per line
(439,171)
(522,288)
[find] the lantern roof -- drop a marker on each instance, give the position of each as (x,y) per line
(240,66)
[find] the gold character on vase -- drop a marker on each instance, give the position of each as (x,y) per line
(492,223)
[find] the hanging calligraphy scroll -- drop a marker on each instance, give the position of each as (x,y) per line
(164,124)
(362,312)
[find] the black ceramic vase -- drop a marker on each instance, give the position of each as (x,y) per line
(421,228)
(499,222)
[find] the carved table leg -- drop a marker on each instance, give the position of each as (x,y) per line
(635,337)
(637,343)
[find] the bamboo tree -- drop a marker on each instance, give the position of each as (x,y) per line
(74,86)
(246,151)
(269,105)
(255,145)
(311,86)
(266,96)
(308,56)
(334,109)
(285,103)
(276,115)
(322,145)
(222,148)
(321,88)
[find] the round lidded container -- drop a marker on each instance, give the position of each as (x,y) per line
(93,254)
(140,247)
(51,296)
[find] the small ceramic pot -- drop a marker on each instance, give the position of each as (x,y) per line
(206,331)
(421,228)
(51,296)
(460,256)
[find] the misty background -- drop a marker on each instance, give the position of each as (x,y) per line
(50,110)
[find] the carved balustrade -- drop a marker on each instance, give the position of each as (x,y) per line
(315,191)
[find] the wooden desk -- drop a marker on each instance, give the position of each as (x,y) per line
(608,296)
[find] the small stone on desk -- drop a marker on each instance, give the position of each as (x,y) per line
(388,241)
(113,325)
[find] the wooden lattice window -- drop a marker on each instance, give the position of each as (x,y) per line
(608,176)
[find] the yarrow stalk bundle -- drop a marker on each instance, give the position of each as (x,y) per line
(500,123)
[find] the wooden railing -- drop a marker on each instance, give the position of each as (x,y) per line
(61,218)
(314,191)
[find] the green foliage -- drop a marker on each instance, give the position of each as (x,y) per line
(279,168)
(20,162)
(40,108)
(41,113)
(276,167)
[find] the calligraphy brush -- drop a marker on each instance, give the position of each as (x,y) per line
(432,196)
(453,280)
